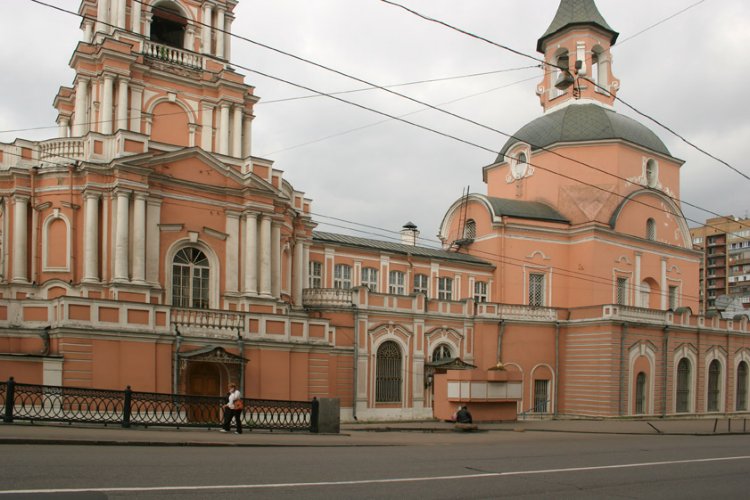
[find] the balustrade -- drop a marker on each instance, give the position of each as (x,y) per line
(172,55)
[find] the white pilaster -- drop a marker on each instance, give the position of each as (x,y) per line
(80,115)
(120,14)
(88,31)
(224,129)
(664,285)
(122,103)
(237,131)
(91,237)
(265,255)
(298,273)
(275,260)
(207,127)
(135,16)
(206,30)
(232,267)
(251,254)
(105,125)
(247,137)
(102,16)
(220,33)
(153,217)
(139,238)
(228,37)
(20,238)
(121,235)
(136,104)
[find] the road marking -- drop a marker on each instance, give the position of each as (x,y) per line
(371,481)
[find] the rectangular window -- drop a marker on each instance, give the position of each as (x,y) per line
(396,282)
(480,291)
(342,276)
(673,298)
(622,291)
(445,288)
(536,289)
(316,274)
(370,278)
(420,283)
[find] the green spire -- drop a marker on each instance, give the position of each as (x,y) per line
(576,13)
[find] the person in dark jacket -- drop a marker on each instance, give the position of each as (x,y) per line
(463,416)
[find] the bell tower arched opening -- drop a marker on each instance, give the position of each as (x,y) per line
(168,24)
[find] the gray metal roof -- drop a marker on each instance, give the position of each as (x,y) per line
(400,248)
(525,210)
(576,13)
(583,122)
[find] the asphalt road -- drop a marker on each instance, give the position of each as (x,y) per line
(411,465)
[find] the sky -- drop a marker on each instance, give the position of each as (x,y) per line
(682,62)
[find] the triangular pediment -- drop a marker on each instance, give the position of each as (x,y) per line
(213,355)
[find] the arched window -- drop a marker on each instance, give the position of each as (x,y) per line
(651,229)
(470,230)
(559,72)
(683,386)
(442,351)
(190,272)
(519,166)
(599,70)
(168,24)
(645,295)
(714,387)
(640,393)
(388,373)
(741,401)
(651,173)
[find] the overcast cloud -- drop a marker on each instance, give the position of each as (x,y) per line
(690,72)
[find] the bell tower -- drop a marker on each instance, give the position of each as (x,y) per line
(576,49)
(158,71)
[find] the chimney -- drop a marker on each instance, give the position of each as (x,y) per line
(409,234)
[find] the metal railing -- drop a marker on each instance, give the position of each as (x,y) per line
(128,408)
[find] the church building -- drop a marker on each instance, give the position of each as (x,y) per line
(148,246)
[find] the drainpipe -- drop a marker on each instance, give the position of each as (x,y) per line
(176,358)
(500,331)
(664,372)
(557,364)
(623,332)
(356,362)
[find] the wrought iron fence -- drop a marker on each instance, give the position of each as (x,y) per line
(129,408)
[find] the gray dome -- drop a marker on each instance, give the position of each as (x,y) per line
(583,122)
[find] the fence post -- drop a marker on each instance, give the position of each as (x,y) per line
(9,400)
(126,407)
(314,415)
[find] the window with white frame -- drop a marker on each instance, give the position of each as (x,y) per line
(470,230)
(442,351)
(342,276)
(316,274)
(396,282)
(420,283)
(480,291)
(370,278)
(445,288)
(536,289)
(622,291)
(190,274)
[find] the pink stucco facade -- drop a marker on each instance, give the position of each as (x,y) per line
(147,246)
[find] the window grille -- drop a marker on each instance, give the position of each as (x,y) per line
(742,387)
(342,276)
(536,289)
(420,283)
(541,396)
(470,230)
(316,274)
(442,351)
(622,291)
(190,273)
(683,386)
(640,393)
(714,391)
(396,282)
(480,291)
(673,297)
(445,288)
(388,375)
(370,278)
(650,229)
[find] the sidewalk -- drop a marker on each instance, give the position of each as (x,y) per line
(352,434)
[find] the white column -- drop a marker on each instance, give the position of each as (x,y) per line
(153,217)
(297,273)
(121,235)
(251,254)
(219,33)
(228,38)
(207,127)
(122,104)
(189,43)
(664,285)
(237,131)
(206,30)
(136,104)
(135,16)
(91,237)
(63,126)
(102,16)
(20,238)
(81,106)
(120,14)
(305,265)
(147,18)
(105,127)
(265,255)
(247,137)
(139,238)
(232,267)
(224,129)
(275,260)
(88,31)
